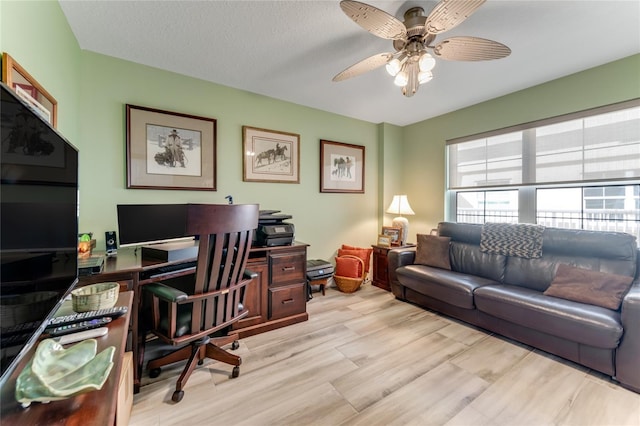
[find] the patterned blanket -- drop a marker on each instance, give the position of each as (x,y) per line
(521,240)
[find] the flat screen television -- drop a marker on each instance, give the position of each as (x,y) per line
(38,229)
(145,224)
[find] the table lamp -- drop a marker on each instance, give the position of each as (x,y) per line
(400,206)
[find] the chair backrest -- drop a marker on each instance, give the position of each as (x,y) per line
(225,232)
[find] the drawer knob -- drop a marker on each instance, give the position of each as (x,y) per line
(287,301)
(289,268)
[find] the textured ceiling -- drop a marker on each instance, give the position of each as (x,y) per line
(290,50)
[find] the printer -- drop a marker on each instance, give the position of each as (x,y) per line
(273,230)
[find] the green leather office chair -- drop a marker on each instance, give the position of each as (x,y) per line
(201,319)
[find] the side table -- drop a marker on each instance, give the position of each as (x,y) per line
(381,265)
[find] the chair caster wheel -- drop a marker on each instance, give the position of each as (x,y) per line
(155,372)
(236,372)
(235,345)
(201,362)
(177,396)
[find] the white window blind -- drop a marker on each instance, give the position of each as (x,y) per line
(596,145)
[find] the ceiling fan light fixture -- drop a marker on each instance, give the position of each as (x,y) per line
(426,62)
(401,79)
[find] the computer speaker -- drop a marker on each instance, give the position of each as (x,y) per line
(112,245)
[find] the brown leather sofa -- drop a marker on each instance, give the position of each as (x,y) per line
(504,294)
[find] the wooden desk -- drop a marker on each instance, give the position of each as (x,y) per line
(91,408)
(276,298)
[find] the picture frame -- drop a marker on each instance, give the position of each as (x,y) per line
(28,88)
(170,150)
(384,240)
(341,167)
(270,156)
(395,234)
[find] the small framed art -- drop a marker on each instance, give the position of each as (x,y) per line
(270,156)
(29,90)
(395,234)
(170,150)
(384,240)
(341,167)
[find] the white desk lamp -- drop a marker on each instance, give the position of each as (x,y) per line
(400,206)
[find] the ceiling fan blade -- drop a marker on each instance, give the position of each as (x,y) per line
(366,65)
(374,20)
(449,13)
(470,49)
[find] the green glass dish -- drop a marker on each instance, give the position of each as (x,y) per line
(56,373)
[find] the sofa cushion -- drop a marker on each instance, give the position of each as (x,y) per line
(449,286)
(433,250)
(468,259)
(512,239)
(587,286)
(574,321)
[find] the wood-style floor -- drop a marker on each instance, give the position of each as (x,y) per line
(366,358)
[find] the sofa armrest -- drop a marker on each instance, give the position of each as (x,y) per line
(397,258)
(628,353)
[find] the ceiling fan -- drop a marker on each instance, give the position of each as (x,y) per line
(411,63)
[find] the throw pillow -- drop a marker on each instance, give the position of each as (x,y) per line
(361,252)
(348,266)
(586,286)
(433,250)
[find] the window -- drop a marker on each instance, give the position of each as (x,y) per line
(603,208)
(579,171)
(487,206)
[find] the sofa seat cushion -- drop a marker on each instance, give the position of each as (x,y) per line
(574,321)
(449,286)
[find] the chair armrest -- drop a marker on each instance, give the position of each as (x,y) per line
(628,353)
(249,274)
(166,293)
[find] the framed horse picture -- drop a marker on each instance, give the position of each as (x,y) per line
(170,150)
(270,156)
(341,167)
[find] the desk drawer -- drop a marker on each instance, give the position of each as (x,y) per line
(287,268)
(285,301)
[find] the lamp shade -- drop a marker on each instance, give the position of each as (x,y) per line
(400,205)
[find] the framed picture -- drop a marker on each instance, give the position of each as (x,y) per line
(341,167)
(270,156)
(394,233)
(170,150)
(29,89)
(384,240)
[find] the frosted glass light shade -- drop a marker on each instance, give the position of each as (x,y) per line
(424,77)
(401,79)
(393,67)
(426,62)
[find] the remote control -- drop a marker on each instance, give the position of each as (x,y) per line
(78,326)
(114,312)
(82,335)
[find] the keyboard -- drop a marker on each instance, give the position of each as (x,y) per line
(164,270)
(113,313)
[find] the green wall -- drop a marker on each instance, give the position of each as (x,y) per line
(322,220)
(424,171)
(92,89)
(47,50)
